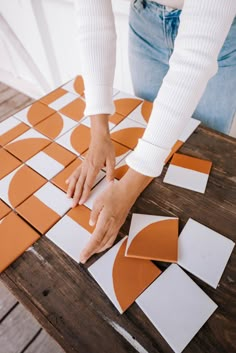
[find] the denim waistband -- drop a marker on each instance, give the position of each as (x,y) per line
(156,7)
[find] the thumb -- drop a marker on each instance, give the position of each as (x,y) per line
(97,207)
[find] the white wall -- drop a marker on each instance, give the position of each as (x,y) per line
(38,48)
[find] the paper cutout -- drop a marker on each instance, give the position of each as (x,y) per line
(20,184)
(142,113)
(123,279)
(55,126)
(43,209)
(211,252)
(4,209)
(153,238)
(10,129)
(27,145)
(34,113)
(53,96)
(75,86)
(15,237)
(74,110)
(127,133)
(7,163)
(188,172)
(176,306)
(76,140)
(125,103)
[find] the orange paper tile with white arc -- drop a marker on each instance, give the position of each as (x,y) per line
(10,129)
(55,125)
(34,113)
(27,145)
(127,133)
(43,209)
(7,163)
(16,236)
(76,140)
(188,172)
(153,237)
(19,185)
(121,278)
(142,113)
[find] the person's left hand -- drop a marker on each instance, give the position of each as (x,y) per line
(110,210)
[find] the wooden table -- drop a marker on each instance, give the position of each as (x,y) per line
(75,311)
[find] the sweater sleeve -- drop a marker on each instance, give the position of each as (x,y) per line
(96,38)
(204,25)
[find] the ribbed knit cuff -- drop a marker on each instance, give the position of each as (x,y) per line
(99,100)
(147,158)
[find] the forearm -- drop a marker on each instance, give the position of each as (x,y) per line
(97,46)
(203,28)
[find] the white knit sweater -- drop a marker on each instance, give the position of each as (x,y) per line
(204,25)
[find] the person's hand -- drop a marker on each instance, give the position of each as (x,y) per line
(101,153)
(110,210)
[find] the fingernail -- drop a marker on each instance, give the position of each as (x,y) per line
(91,223)
(67,181)
(81,202)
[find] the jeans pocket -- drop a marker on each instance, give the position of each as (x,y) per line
(137,5)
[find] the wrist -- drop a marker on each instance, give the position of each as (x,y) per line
(133,183)
(99,125)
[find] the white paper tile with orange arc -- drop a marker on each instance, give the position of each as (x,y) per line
(76,140)
(142,113)
(10,129)
(50,161)
(188,172)
(187,132)
(55,125)
(176,306)
(153,237)
(125,103)
(121,278)
(72,233)
(27,145)
(127,133)
(43,209)
(34,113)
(19,185)
(211,252)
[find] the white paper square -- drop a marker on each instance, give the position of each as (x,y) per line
(54,198)
(176,306)
(69,236)
(186,178)
(99,189)
(204,252)
(45,165)
(62,101)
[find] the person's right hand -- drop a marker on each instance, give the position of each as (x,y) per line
(101,153)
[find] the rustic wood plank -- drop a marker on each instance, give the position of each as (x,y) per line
(17,330)
(7,94)
(13,105)
(7,300)
(44,344)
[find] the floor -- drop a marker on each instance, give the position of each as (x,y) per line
(19,331)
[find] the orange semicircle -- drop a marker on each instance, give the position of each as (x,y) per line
(131,277)
(146,110)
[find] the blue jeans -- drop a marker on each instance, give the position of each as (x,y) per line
(152,32)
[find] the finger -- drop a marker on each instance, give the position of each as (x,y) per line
(89,181)
(76,174)
(96,238)
(79,189)
(109,243)
(97,207)
(110,164)
(72,184)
